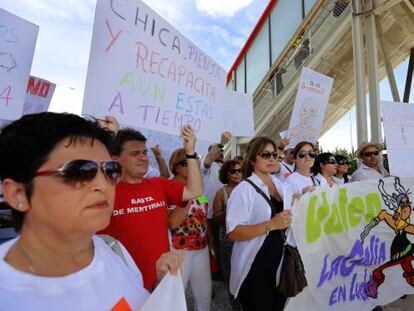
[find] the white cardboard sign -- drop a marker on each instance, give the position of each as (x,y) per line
(147,74)
(17,43)
(238,114)
(398,121)
(310,107)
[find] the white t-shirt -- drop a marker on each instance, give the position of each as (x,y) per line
(285,170)
(247,207)
(295,183)
(365,172)
(104,283)
(211,184)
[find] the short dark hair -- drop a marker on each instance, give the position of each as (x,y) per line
(320,158)
(26,144)
(124,135)
(300,146)
(225,169)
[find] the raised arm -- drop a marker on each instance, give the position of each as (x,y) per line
(194,187)
(162,165)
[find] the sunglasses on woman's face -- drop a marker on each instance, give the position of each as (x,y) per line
(330,161)
(343,162)
(310,153)
(235,170)
(267,154)
(80,171)
(183,163)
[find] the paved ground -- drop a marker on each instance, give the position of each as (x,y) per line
(221,303)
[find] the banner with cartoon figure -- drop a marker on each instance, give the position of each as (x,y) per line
(356,244)
(310,107)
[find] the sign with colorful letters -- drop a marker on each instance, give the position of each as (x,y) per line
(147,74)
(356,244)
(17,43)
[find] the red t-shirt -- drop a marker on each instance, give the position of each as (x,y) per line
(140,221)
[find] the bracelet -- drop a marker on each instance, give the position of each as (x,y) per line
(267,228)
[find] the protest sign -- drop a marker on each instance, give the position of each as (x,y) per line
(168,295)
(238,114)
(17,44)
(356,245)
(310,107)
(398,121)
(147,74)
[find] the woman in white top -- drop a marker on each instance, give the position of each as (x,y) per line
(59,179)
(325,168)
(255,227)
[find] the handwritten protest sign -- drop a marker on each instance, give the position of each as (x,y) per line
(17,44)
(168,295)
(147,74)
(238,114)
(310,107)
(356,245)
(398,121)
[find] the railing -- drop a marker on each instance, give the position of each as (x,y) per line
(329,15)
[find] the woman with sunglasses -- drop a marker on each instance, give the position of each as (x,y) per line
(341,176)
(230,175)
(254,221)
(58,177)
(190,233)
(325,168)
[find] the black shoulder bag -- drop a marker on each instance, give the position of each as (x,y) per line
(292,275)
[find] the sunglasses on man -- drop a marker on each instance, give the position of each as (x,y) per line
(81,171)
(370,154)
(312,154)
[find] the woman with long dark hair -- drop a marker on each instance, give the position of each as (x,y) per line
(255,218)
(324,168)
(341,176)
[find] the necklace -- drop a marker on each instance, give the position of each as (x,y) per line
(27,257)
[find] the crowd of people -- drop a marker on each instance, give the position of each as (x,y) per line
(96,231)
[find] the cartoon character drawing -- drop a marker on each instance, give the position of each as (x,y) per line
(401,248)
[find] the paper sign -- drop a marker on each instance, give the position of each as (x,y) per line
(238,114)
(355,243)
(168,295)
(147,74)
(310,107)
(17,44)
(398,121)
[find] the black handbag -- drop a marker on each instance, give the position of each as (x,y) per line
(292,273)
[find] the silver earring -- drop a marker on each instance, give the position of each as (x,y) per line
(19,206)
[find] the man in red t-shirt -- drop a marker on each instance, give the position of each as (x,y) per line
(140,217)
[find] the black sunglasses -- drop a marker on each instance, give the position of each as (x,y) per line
(267,154)
(235,170)
(370,154)
(343,162)
(330,161)
(78,171)
(183,163)
(303,153)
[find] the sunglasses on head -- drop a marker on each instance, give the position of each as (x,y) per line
(78,171)
(310,153)
(183,163)
(235,170)
(370,154)
(343,162)
(330,161)
(267,154)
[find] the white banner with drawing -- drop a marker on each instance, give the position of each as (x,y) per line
(356,243)
(17,43)
(398,121)
(310,107)
(147,74)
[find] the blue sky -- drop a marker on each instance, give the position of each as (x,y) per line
(219,27)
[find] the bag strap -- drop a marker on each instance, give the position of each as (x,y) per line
(272,207)
(114,245)
(313,181)
(290,171)
(260,191)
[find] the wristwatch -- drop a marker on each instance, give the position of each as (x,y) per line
(192,156)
